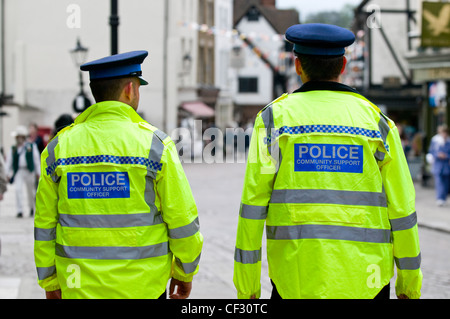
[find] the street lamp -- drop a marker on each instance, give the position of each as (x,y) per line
(79,55)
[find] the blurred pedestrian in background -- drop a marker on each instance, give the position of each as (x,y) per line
(35,138)
(3,180)
(23,169)
(440,150)
(61,122)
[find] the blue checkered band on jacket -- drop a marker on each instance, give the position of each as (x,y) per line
(304,129)
(104,159)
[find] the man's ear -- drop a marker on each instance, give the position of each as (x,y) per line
(344,64)
(128,89)
(298,67)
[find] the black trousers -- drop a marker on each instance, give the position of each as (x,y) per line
(382,295)
(163,296)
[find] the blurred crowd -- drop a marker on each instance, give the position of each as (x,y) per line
(21,165)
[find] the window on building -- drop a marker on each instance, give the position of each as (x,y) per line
(201,66)
(210,67)
(248,85)
(201,12)
(210,14)
(253,14)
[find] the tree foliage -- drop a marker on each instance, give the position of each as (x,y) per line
(342,18)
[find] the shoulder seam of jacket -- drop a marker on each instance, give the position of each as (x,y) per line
(159,134)
(282,97)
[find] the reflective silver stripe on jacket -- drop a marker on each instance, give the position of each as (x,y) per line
(110,221)
(247,256)
(408,263)
(51,160)
(367,235)
(156,151)
(188,268)
(404,222)
(43,234)
(384,128)
(267,117)
(185,231)
(379,156)
(45,272)
(326,196)
(155,155)
(253,212)
(272,144)
(115,253)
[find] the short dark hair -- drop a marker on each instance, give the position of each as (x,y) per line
(108,89)
(62,121)
(321,68)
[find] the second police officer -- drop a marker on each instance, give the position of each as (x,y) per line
(327,175)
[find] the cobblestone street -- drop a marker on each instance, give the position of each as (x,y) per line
(217,190)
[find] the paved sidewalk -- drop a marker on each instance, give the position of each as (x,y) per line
(428,213)
(17,269)
(217,190)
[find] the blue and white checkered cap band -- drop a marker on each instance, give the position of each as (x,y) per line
(104,159)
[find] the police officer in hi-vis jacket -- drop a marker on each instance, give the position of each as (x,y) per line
(115,216)
(327,176)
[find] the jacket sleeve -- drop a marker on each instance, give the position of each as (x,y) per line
(258,184)
(400,195)
(179,212)
(45,222)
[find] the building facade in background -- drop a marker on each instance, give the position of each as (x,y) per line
(377,62)
(262,60)
(401,61)
(429,63)
(43,81)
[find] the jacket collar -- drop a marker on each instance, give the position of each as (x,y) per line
(109,109)
(325,86)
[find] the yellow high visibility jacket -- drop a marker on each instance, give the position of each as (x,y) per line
(327,174)
(115,216)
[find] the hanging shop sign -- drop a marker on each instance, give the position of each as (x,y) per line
(436,24)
